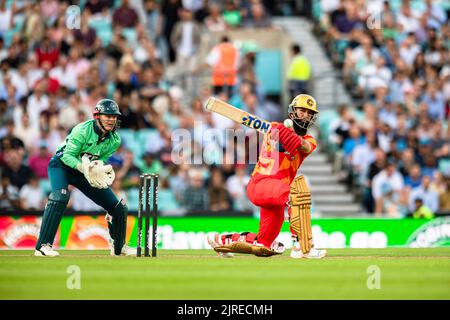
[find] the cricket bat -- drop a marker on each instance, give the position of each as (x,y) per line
(237,115)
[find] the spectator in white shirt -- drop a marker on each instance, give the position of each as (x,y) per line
(429,196)
(237,185)
(387,179)
(31,195)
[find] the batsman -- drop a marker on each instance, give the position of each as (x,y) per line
(79,161)
(274,185)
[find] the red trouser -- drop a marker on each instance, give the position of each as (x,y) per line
(271,195)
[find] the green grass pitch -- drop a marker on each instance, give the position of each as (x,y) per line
(201,274)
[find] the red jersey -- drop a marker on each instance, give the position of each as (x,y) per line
(275,161)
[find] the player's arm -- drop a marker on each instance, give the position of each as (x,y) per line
(308,145)
(73,148)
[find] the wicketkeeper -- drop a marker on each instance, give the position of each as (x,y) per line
(80,162)
(274,185)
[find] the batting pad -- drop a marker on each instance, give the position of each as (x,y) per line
(300,219)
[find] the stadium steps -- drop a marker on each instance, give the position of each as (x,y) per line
(327,87)
(329,196)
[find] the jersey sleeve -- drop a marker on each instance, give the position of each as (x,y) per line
(73,147)
(312,142)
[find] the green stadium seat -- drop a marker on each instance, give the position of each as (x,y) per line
(133,199)
(131,35)
(44,185)
(268,70)
(167,200)
(325,119)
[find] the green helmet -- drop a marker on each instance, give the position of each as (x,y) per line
(106,106)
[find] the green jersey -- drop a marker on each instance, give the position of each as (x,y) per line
(86,138)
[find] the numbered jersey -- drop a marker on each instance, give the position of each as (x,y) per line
(275,161)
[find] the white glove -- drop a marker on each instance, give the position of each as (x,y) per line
(98,175)
(102,175)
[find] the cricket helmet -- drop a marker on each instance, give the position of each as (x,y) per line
(107,106)
(303,101)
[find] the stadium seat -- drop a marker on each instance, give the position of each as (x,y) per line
(144,135)
(268,70)
(325,119)
(103,29)
(167,200)
(45,186)
(131,35)
(133,199)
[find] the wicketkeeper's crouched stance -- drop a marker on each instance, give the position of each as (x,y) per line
(80,162)
(274,186)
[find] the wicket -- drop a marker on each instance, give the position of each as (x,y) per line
(147,183)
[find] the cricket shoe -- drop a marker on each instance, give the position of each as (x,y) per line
(297,253)
(261,250)
(46,250)
(126,250)
(215,241)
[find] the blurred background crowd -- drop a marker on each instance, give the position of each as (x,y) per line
(394,147)
(393,150)
(144,54)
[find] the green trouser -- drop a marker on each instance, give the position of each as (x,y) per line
(60,177)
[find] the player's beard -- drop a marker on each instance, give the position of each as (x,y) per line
(298,129)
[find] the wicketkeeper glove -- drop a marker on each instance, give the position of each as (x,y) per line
(98,175)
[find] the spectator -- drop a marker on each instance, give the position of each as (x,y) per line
(231,14)
(150,164)
(31,195)
(26,131)
(170,9)
(388,181)
(219,198)
(195,196)
(237,187)
(421,211)
(214,21)
(18,173)
(96,6)
(38,162)
(47,51)
(127,172)
(444,198)
(258,17)
(429,197)
(125,16)
(6,18)
(50,11)
(299,72)
(223,59)
(185,40)
(414,177)
(9,194)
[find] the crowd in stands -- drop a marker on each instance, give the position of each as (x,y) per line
(395,60)
(54,67)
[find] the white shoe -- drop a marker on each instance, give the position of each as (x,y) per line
(214,240)
(315,254)
(46,250)
(297,253)
(278,247)
(126,250)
